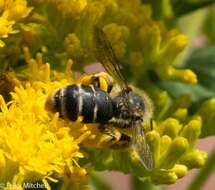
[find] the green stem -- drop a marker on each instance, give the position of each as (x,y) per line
(199,180)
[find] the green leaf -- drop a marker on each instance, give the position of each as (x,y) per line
(156,7)
(98,182)
(207,111)
(181,7)
(198,93)
(202,62)
(209,26)
(171,9)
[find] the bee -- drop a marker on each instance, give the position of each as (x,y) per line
(127,109)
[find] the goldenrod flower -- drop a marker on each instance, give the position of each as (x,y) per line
(117,35)
(139,42)
(72,45)
(70,7)
(34,146)
(6,29)
(11,12)
(16,9)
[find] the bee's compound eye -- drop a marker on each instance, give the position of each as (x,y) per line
(137,101)
(138,118)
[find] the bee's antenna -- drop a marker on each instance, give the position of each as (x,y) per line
(127,89)
(151,124)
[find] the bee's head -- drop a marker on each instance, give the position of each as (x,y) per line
(129,106)
(136,105)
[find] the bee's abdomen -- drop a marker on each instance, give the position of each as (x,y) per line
(93,104)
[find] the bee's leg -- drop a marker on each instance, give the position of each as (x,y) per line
(110,135)
(151,124)
(100,80)
(123,143)
(113,138)
(119,123)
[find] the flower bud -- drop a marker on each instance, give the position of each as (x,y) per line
(149,34)
(165,143)
(194,159)
(72,45)
(191,131)
(153,138)
(164,177)
(117,35)
(176,150)
(175,45)
(171,127)
(180,114)
(185,75)
(180,170)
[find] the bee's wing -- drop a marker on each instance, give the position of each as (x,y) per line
(141,147)
(105,55)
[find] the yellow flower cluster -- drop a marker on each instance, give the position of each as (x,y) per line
(173,149)
(11,12)
(117,35)
(72,45)
(137,40)
(69,7)
(37,146)
(152,48)
(34,146)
